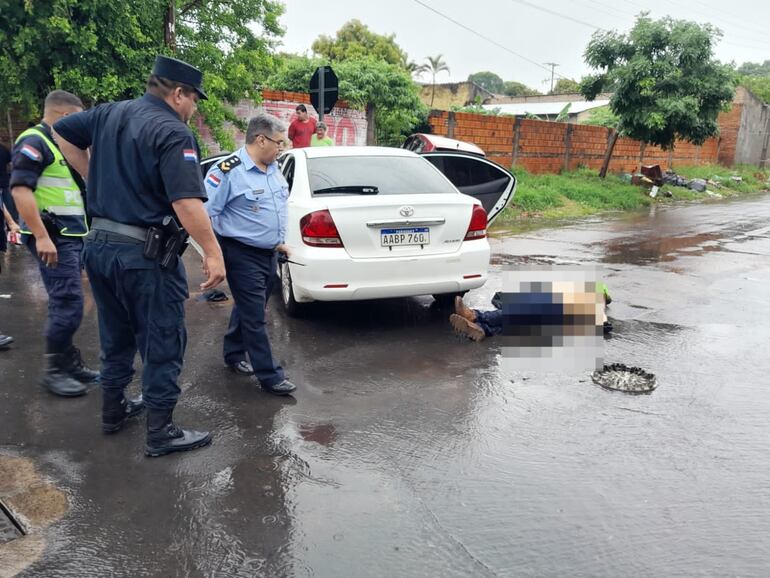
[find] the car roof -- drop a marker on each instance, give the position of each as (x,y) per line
(450,144)
(354,151)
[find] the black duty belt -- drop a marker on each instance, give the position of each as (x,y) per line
(102,224)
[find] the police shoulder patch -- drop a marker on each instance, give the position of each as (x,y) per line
(229,163)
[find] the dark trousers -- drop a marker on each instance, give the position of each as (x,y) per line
(141,308)
(249,272)
(65,290)
(490,321)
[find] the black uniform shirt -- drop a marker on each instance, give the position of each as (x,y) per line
(143,158)
(31,156)
(5,158)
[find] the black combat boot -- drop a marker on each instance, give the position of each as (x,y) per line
(163,437)
(116,409)
(57,379)
(78,370)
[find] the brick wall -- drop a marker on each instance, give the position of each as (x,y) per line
(16,127)
(347,126)
(550,147)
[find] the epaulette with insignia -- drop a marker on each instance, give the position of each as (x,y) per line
(229,163)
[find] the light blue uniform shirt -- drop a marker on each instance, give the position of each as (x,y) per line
(247,204)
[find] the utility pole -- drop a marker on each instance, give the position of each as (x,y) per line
(553,65)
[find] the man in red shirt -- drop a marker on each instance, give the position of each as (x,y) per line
(301,128)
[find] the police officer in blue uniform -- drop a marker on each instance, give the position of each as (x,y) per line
(53,223)
(143,182)
(247,204)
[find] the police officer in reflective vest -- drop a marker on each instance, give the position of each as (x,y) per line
(53,225)
(247,203)
(144,190)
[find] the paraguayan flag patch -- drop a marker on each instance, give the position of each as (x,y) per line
(190,155)
(213,180)
(31,152)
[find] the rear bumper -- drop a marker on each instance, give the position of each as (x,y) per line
(356,279)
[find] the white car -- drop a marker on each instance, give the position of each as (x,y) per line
(376,222)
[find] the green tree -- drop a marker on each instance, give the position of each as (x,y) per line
(755,69)
(513,88)
(355,41)
(566,86)
(602,116)
(435,65)
(759,85)
(667,85)
(385,91)
(487,80)
(103,50)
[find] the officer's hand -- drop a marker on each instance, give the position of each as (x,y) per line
(214,269)
(14,228)
(46,250)
(284,248)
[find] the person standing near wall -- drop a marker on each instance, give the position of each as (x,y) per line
(319,138)
(301,128)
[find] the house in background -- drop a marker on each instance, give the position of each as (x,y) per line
(454,94)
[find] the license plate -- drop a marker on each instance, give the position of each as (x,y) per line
(398,237)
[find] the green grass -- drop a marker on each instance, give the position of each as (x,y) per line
(582,193)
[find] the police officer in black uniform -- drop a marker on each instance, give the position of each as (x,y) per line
(143,179)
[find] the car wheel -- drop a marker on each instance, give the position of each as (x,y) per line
(293,309)
(446,300)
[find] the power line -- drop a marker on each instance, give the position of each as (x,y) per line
(558,14)
(472,31)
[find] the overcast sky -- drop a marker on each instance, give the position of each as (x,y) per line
(531,29)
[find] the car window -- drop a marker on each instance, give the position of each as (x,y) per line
(287,167)
(415,144)
(464,172)
(390,175)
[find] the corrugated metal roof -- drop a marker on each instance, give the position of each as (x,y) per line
(540,108)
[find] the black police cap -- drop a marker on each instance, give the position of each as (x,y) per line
(179,71)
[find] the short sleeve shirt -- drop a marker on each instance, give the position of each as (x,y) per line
(143,157)
(300,132)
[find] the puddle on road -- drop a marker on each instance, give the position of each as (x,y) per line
(633,251)
(35,503)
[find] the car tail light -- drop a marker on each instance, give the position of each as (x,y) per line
(478,226)
(318,230)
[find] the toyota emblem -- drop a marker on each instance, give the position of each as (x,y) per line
(406,211)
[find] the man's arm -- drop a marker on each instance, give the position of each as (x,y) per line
(27,207)
(13,226)
(196,221)
(76,157)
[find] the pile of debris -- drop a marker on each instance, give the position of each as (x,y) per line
(653,178)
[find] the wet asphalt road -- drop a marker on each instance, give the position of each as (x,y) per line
(408,452)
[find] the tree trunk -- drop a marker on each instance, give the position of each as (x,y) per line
(608,154)
(433,92)
(371,129)
(169,29)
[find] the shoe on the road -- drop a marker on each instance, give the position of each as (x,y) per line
(78,370)
(116,409)
(56,377)
(241,368)
(466,328)
(607,327)
(284,388)
(5,341)
(463,310)
(163,437)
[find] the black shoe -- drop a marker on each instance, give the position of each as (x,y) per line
(78,370)
(57,379)
(116,409)
(283,388)
(241,368)
(5,341)
(163,437)
(607,327)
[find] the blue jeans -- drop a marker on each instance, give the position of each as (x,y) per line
(249,274)
(141,308)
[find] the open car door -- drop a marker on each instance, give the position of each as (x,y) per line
(478,177)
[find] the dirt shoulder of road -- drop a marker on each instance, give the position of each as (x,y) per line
(581,193)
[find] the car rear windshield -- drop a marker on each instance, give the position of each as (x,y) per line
(388,175)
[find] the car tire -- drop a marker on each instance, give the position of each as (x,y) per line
(446,300)
(290,305)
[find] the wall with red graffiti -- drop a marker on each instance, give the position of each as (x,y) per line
(347,126)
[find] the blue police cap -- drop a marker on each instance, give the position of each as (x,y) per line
(179,71)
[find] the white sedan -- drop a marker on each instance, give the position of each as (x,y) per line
(376,222)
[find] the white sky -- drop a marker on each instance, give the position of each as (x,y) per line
(519,27)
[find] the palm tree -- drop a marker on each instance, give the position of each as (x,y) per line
(434,66)
(416,70)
